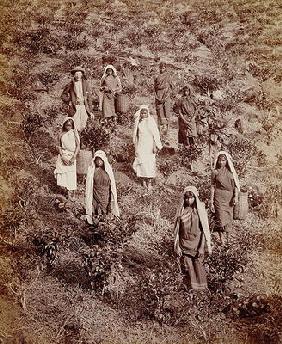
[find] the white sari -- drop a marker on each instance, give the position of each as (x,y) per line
(66,174)
(146,137)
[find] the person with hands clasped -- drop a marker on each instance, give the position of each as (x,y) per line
(225,189)
(69,145)
(192,238)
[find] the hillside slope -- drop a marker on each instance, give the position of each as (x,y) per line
(135,294)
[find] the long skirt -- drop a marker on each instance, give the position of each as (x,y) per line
(194,271)
(223,209)
(145,166)
(80,117)
(108,105)
(66,175)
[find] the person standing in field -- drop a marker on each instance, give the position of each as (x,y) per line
(101,191)
(224,193)
(68,147)
(163,87)
(186,111)
(77,96)
(192,238)
(110,85)
(147,142)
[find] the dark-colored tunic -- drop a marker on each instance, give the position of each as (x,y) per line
(69,97)
(112,85)
(101,192)
(163,87)
(187,109)
(190,240)
(224,185)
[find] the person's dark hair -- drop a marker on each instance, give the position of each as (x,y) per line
(217,163)
(185,88)
(97,157)
(66,122)
(190,193)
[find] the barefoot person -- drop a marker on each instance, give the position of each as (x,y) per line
(101,192)
(77,96)
(68,147)
(192,238)
(163,87)
(224,193)
(146,138)
(110,85)
(186,112)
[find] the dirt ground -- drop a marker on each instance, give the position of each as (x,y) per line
(133,292)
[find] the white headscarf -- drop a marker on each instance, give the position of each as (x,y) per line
(89,187)
(152,126)
(203,216)
(109,67)
(230,164)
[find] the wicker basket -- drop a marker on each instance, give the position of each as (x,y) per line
(122,103)
(241,209)
(83,160)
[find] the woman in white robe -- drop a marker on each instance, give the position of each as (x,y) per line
(146,138)
(69,145)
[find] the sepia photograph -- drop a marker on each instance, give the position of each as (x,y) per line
(140,172)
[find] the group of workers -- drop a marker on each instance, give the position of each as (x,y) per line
(192,234)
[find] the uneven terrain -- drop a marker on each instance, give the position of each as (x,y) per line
(120,282)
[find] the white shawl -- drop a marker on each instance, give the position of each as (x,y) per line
(230,163)
(203,216)
(152,126)
(89,187)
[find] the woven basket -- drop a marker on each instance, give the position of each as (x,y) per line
(122,103)
(83,160)
(241,209)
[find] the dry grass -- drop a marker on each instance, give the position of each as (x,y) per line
(135,294)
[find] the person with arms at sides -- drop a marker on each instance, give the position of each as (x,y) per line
(163,87)
(192,238)
(186,111)
(110,85)
(224,193)
(101,192)
(77,96)
(147,142)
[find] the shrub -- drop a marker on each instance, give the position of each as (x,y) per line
(95,136)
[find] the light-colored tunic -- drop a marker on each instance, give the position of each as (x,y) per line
(145,161)
(80,116)
(65,174)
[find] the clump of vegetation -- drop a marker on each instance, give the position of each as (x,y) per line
(241,150)
(96,135)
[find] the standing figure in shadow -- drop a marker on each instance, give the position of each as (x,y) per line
(101,192)
(192,238)
(225,189)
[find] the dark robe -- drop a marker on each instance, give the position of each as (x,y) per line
(191,239)
(101,192)
(224,185)
(186,108)
(163,86)
(69,97)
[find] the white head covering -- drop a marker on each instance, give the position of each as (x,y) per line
(230,164)
(89,187)
(152,126)
(110,67)
(203,216)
